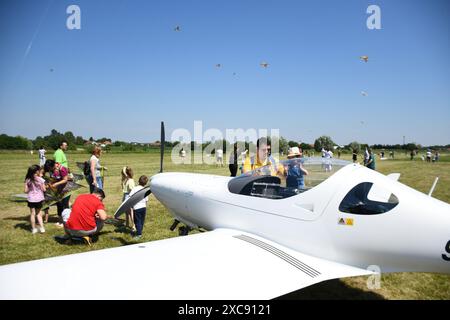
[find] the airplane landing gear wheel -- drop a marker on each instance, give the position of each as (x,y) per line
(184,230)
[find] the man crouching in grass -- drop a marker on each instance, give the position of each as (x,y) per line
(86,217)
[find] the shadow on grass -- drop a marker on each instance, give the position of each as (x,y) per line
(115,222)
(23,218)
(66,240)
(331,290)
(23,226)
(123,229)
(51,219)
(69,241)
(123,241)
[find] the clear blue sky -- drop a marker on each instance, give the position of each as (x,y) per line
(127,69)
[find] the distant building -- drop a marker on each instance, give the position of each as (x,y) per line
(155,144)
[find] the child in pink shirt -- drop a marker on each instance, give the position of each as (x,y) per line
(35,188)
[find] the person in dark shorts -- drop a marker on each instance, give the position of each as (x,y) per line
(34,188)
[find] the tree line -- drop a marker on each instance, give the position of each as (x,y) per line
(51,141)
(54,139)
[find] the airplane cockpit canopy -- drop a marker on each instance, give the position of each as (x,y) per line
(285,178)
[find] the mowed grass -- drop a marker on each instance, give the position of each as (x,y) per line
(18,244)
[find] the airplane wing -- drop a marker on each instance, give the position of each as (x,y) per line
(394,176)
(220,264)
(20,197)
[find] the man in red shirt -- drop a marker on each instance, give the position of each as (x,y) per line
(87,215)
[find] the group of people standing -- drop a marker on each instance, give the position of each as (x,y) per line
(430,157)
(369,158)
(87,214)
(35,186)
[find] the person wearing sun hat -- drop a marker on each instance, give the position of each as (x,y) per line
(295,171)
(294,152)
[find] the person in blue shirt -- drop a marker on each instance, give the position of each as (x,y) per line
(295,171)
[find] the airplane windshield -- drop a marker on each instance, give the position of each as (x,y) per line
(285,178)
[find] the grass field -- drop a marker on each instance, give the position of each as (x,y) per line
(18,244)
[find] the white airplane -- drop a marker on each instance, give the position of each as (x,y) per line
(265,238)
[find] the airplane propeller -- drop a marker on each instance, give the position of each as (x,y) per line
(183,230)
(163,141)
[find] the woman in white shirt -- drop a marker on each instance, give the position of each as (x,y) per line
(96,169)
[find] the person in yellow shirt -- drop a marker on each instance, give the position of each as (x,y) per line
(262,159)
(127,185)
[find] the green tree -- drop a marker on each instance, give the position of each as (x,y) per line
(40,142)
(282,143)
(411,146)
(79,141)
(354,146)
(284,146)
(70,138)
(54,139)
(305,146)
(323,142)
(15,143)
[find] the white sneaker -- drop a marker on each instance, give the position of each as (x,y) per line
(34,230)
(42,230)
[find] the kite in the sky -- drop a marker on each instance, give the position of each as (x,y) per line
(177,28)
(264,64)
(364,58)
(218,65)
(364,93)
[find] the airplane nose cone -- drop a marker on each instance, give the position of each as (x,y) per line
(172,190)
(159,182)
(167,186)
